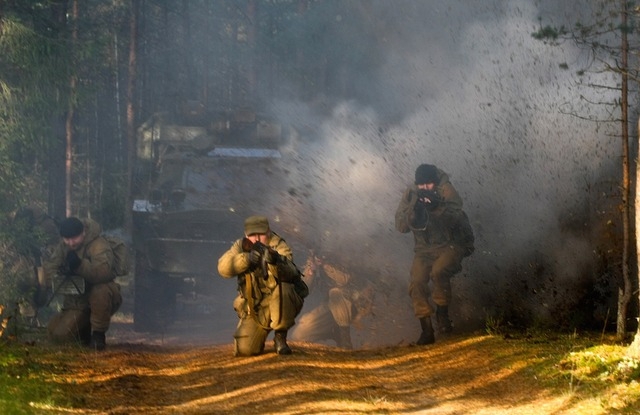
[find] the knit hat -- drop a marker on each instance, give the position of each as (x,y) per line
(256,224)
(426,173)
(71,227)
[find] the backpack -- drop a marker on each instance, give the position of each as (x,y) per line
(463,235)
(122,263)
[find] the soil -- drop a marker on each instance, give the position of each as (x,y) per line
(461,374)
(190,369)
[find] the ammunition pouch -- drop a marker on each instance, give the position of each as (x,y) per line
(301,288)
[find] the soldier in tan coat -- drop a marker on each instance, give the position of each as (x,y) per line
(344,302)
(270,289)
(83,262)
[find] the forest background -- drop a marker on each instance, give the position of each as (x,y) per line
(530,132)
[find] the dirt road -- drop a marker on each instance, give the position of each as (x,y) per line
(465,374)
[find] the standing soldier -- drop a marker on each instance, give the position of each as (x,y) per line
(85,261)
(432,210)
(270,289)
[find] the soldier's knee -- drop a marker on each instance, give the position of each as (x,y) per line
(66,326)
(249,338)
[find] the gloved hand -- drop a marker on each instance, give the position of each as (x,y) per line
(271,256)
(72,260)
(247,245)
(254,257)
(429,198)
(419,217)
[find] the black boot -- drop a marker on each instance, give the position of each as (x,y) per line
(442,317)
(98,341)
(344,338)
(280,342)
(427,336)
(84,334)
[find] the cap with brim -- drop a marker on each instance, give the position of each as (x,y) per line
(71,227)
(256,224)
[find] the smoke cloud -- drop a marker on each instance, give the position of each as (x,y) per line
(463,86)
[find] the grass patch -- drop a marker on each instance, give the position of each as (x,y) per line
(26,380)
(590,368)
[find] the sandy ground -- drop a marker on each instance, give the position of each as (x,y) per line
(464,374)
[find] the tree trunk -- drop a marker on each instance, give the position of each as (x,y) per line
(625,292)
(131,114)
(56,205)
(634,347)
(69,126)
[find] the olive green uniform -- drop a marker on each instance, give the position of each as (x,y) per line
(263,304)
(92,309)
(439,247)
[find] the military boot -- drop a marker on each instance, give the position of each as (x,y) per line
(98,341)
(344,338)
(427,336)
(280,342)
(84,335)
(442,318)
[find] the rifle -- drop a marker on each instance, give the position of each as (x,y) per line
(69,281)
(262,249)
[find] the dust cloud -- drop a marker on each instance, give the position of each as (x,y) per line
(464,86)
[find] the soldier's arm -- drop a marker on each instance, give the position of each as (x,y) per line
(404,211)
(53,262)
(287,270)
(97,265)
(233,262)
(310,270)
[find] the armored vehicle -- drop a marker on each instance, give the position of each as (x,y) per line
(195,184)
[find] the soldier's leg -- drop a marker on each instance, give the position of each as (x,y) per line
(249,337)
(284,305)
(342,311)
(419,290)
(71,323)
(444,268)
(317,324)
(104,301)
(448,263)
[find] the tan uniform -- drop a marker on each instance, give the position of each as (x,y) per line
(92,309)
(263,304)
(336,311)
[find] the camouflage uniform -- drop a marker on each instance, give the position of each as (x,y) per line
(439,247)
(92,310)
(263,304)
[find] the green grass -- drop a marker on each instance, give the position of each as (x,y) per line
(26,375)
(589,367)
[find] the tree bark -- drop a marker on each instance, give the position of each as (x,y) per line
(131,113)
(69,125)
(625,292)
(56,205)
(634,348)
